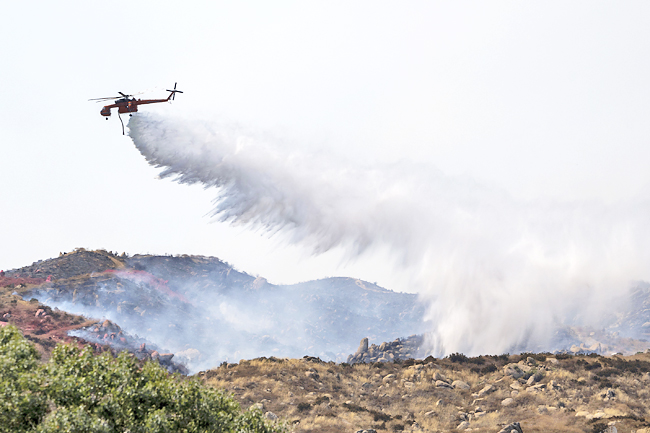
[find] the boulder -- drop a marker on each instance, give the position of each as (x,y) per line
(165,357)
(486,390)
(363,346)
(512,428)
(438,376)
(513,370)
(459,384)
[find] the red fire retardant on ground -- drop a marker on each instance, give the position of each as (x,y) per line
(143,277)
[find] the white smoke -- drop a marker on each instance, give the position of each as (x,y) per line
(496,274)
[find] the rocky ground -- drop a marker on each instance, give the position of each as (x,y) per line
(540,392)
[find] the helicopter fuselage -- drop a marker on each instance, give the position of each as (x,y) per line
(127,105)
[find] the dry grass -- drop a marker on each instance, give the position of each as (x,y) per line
(314,396)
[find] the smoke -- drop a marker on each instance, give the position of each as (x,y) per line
(496,274)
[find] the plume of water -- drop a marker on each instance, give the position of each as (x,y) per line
(496,274)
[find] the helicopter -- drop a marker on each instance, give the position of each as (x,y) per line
(128,104)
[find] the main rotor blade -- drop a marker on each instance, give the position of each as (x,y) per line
(102,99)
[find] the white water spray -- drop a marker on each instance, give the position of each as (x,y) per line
(495,273)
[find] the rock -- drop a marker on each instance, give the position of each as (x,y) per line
(463,425)
(430,414)
(271,416)
(486,390)
(438,376)
(459,384)
(363,346)
(370,430)
(512,428)
(165,357)
(312,375)
(515,385)
(513,370)
(554,385)
(508,401)
(552,361)
(258,406)
(441,384)
(388,378)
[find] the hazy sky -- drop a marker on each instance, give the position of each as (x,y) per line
(540,99)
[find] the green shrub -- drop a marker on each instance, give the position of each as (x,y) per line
(87,393)
(457,357)
(22,405)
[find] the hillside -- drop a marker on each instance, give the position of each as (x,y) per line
(204,311)
(544,393)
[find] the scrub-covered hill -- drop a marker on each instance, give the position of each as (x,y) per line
(206,312)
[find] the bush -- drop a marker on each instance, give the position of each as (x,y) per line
(490,368)
(457,357)
(304,407)
(22,405)
(77,391)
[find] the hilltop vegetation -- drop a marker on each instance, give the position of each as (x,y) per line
(77,391)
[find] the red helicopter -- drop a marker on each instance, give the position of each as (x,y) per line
(128,104)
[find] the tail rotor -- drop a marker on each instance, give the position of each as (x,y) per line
(174,92)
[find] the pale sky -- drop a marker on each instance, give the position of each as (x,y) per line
(541,99)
